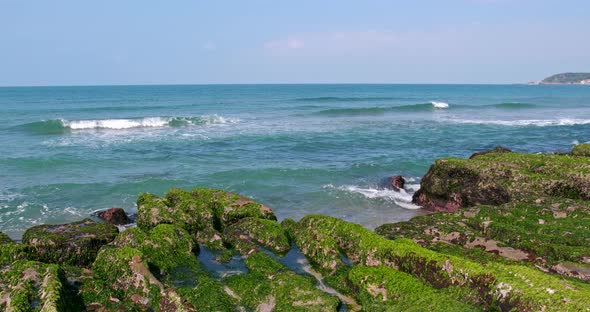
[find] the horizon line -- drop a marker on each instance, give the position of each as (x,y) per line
(253,84)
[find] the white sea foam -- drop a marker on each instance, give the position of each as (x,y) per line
(400,198)
(147,122)
(439,104)
(526,122)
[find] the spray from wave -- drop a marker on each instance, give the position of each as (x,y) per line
(57,126)
(400,197)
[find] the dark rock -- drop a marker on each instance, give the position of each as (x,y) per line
(397,182)
(497,149)
(116,216)
(73,243)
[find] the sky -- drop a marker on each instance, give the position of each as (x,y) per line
(113,42)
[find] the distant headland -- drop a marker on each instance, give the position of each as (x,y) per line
(565,78)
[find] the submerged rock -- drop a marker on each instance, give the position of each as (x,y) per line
(496,178)
(115,216)
(74,243)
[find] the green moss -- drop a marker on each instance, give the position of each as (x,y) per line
(4,239)
(169,253)
(204,213)
(497,178)
(34,286)
(269,284)
(581,150)
(466,280)
(384,289)
(247,233)
(561,235)
(73,243)
(11,252)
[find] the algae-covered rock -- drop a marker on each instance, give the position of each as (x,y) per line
(205,213)
(32,286)
(169,253)
(384,289)
(73,243)
(271,286)
(247,233)
(496,178)
(4,239)
(497,149)
(511,231)
(581,150)
(324,240)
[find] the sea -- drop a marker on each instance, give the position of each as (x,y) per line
(66,152)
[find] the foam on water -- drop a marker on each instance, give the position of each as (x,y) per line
(439,104)
(526,122)
(400,198)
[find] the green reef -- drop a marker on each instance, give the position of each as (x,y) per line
(507,232)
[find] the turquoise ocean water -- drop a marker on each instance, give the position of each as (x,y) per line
(300,149)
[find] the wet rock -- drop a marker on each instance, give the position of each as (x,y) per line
(205,213)
(74,243)
(397,182)
(581,150)
(497,149)
(115,216)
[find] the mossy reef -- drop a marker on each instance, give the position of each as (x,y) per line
(508,232)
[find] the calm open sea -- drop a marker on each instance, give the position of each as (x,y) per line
(300,149)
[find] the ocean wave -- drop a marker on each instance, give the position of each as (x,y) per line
(360,111)
(323,99)
(56,126)
(399,197)
(525,122)
(512,105)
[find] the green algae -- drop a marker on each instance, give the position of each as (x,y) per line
(466,280)
(204,213)
(581,150)
(74,243)
(247,233)
(33,286)
(384,289)
(271,286)
(4,239)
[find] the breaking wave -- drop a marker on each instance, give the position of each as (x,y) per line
(56,126)
(400,198)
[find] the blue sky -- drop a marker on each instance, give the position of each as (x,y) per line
(73,42)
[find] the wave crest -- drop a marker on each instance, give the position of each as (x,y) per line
(56,126)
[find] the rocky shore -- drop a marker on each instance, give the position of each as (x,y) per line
(509,232)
